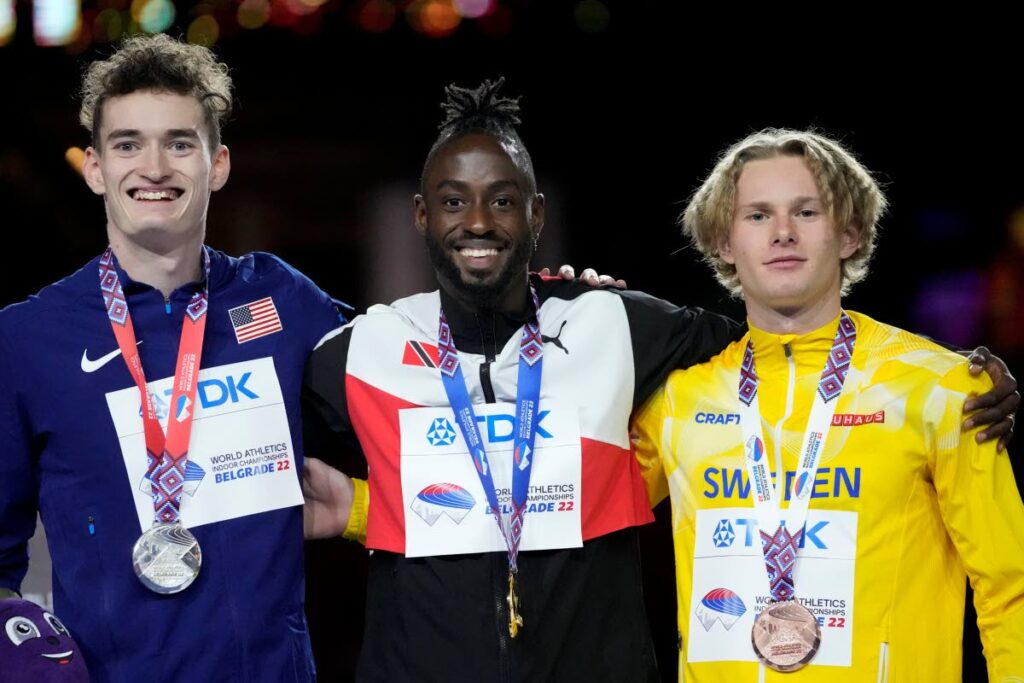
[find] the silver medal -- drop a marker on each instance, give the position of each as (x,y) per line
(167,558)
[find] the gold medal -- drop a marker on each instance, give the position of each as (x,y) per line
(515,619)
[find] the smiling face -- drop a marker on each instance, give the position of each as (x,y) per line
(35,646)
(480,221)
(154,168)
(786,250)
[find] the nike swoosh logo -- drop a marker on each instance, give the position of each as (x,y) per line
(89,365)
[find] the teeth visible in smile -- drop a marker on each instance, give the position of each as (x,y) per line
(478,253)
(151,195)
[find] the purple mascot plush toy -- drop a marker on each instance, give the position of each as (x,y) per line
(36,648)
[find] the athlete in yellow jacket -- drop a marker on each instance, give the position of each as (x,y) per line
(901,502)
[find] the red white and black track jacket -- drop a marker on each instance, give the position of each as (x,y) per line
(445,618)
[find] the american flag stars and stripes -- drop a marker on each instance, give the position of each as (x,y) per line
(254,320)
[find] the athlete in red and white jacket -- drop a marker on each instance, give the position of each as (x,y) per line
(442,613)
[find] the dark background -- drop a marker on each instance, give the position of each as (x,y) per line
(625,105)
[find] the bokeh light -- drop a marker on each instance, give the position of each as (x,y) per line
(204,30)
(377,16)
(56,22)
(253,14)
(434,18)
(8,21)
(474,9)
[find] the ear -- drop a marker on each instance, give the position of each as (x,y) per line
(420,208)
(92,173)
(725,250)
(537,216)
(849,241)
(221,168)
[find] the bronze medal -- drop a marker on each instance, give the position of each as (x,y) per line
(786,636)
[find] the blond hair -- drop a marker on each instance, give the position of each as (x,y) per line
(851,197)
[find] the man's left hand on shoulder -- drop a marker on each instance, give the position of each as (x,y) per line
(997,409)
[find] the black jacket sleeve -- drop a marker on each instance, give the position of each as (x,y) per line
(666,337)
(326,426)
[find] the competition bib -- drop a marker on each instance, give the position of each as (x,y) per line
(240,460)
(446,509)
(730,587)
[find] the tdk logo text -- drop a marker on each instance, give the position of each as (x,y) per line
(747,529)
(717,418)
(210,392)
(215,392)
(495,428)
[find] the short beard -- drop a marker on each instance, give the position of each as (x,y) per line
(485,295)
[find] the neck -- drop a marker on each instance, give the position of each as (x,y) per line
(793,319)
(514,300)
(166,268)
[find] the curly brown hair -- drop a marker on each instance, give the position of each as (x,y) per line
(161,64)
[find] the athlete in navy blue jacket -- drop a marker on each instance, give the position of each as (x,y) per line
(79,442)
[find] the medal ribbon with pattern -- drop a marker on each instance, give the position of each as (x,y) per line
(531,361)
(167,455)
(780,530)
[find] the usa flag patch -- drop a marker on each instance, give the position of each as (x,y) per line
(254,320)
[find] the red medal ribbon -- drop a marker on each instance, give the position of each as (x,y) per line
(167,455)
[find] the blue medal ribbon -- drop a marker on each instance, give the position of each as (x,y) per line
(531,362)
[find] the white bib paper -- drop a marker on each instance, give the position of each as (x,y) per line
(446,509)
(730,587)
(240,458)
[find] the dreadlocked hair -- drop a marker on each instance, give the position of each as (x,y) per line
(480,108)
(483,110)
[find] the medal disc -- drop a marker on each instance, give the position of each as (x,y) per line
(786,636)
(167,558)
